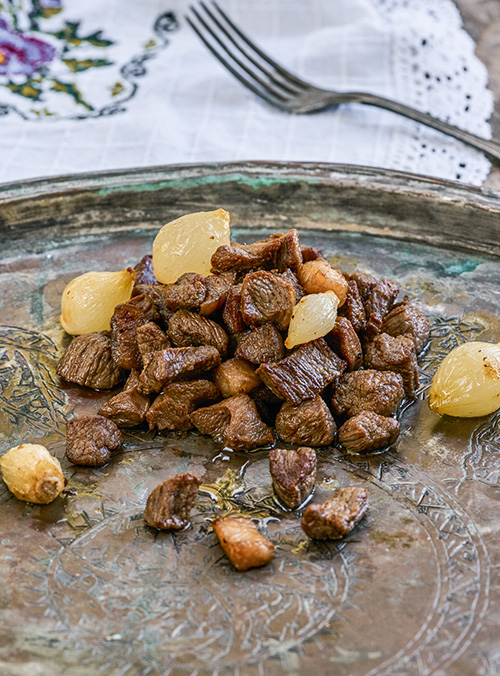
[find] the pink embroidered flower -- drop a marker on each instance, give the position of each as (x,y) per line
(20,54)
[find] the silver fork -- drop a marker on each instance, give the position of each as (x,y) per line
(270,81)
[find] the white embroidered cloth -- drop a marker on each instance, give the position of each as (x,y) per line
(126,83)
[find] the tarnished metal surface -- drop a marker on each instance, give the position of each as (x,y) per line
(87,588)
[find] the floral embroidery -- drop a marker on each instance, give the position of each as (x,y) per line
(22,55)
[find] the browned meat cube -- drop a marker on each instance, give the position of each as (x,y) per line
(242,543)
(217,289)
(231,315)
(151,339)
(367,390)
(336,517)
(367,432)
(388,353)
(353,308)
(236,376)
(171,409)
(364,282)
(261,345)
(266,297)
(128,408)
(344,340)
(267,403)
(187,329)
(176,363)
(242,257)
(293,474)
(169,505)
(311,253)
(309,424)
(144,272)
(90,440)
(378,304)
(291,278)
(187,293)
(155,292)
(405,318)
(234,423)
(88,362)
(125,321)
(289,254)
(304,373)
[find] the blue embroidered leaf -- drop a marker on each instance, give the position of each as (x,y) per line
(76,65)
(71,89)
(29,89)
(70,34)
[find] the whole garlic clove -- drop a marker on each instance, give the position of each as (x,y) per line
(32,474)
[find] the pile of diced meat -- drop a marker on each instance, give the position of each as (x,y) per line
(208,353)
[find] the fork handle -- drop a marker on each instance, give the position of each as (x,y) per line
(489,148)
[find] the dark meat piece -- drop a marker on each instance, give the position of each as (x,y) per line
(187,329)
(175,363)
(353,308)
(304,373)
(311,253)
(261,345)
(172,408)
(344,340)
(232,316)
(378,304)
(169,504)
(367,390)
(187,293)
(291,278)
(88,361)
(388,353)
(236,376)
(293,474)
(145,273)
(128,408)
(125,321)
(217,289)
(406,318)
(364,282)
(267,403)
(90,440)
(234,423)
(289,254)
(150,339)
(368,432)
(309,424)
(155,293)
(336,517)
(242,543)
(242,257)
(267,298)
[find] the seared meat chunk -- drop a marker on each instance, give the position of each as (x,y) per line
(405,318)
(242,543)
(171,409)
(309,424)
(388,353)
(128,408)
(267,403)
(261,345)
(344,340)
(88,361)
(125,321)
(175,363)
(363,281)
(311,253)
(290,277)
(236,376)
(336,517)
(155,292)
(217,287)
(169,505)
(231,315)
(367,390)
(289,254)
(293,474)
(368,431)
(304,373)
(144,272)
(187,329)
(353,308)
(234,423)
(90,440)
(242,257)
(187,293)
(150,339)
(378,304)
(266,297)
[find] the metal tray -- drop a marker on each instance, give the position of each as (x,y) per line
(87,588)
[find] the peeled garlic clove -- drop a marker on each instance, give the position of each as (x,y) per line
(88,301)
(32,474)
(313,317)
(467,382)
(188,243)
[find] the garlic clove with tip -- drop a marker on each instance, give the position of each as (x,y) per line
(32,474)
(313,317)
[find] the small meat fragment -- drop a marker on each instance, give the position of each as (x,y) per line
(188,329)
(405,318)
(378,304)
(144,272)
(367,432)
(242,257)
(88,362)
(231,315)
(290,277)
(171,409)
(289,254)
(217,289)
(175,363)
(364,282)
(242,543)
(353,308)
(311,253)
(169,504)
(187,293)
(388,353)
(267,403)
(234,423)
(128,408)
(151,339)
(336,517)
(304,373)
(90,440)
(309,424)
(367,390)
(125,321)
(293,474)
(155,293)
(236,376)
(344,340)
(266,297)
(261,345)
